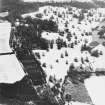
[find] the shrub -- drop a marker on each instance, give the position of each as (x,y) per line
(37,55)
(101,53)
(66,62)
(57,60)
(76,59)
(62,56)
(72,45)
(95,53)
(72,67)
(44,65)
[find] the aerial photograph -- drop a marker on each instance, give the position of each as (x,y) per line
(52,52)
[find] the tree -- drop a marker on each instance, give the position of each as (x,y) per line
(43,54)
(51,44)
(66,53)
(76,59)
(72,67)
(62,56)
(44,65)
(66,62)
(87,59)
(59,43)
(37,55)
(101,53)
(72,45)
(57,60)
(68,98)
(39,15)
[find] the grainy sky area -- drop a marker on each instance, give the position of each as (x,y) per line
(56,0)
(60,0)
(0,4)
(44,0)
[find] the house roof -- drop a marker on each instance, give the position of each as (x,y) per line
(99,47)
(93,44)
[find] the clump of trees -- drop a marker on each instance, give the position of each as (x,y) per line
(84,47)
(51,44)
(101,34)
(60,43)
(95,53)
(68,98)
(39,15)
(27,35)
(46,25)
(66,53)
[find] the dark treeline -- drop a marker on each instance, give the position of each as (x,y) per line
(100,3)
(46,25)
(18,7)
